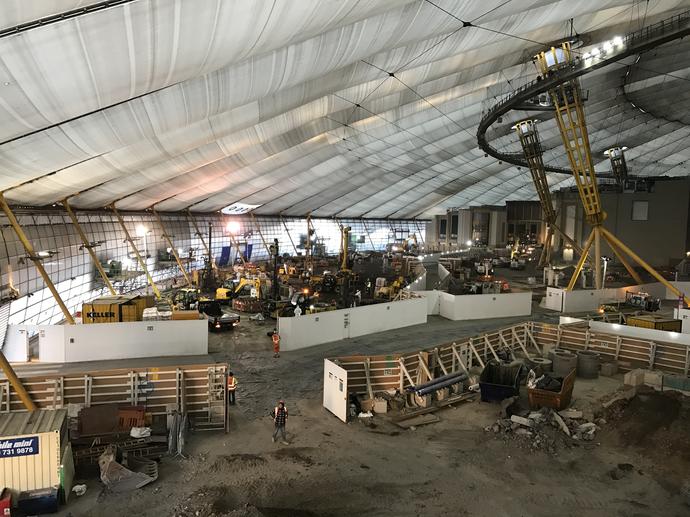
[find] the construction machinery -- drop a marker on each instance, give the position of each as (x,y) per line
(186,299)
(642,300)
(232,289)
(566,98)
(112,268)
(390,291)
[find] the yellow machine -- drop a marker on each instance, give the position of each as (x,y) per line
(231,290)
(389,291)
(185,299)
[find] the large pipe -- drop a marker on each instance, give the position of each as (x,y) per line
(437,380)
(441,385)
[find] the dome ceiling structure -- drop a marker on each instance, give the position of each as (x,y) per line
(343,108)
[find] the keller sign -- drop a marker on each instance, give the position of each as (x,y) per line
(11,447)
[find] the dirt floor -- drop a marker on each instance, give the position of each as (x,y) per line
(635,466)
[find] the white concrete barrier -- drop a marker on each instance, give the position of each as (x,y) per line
(433,301)
(16,347)
(483,306)
(587,300)
(102,341)
(684,316)
(639,332)
(325,327)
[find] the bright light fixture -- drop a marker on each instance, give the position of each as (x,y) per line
(141,230)
(586,55)
(595,52)
(618,41)
(233,227)
(608,46)
(469,243)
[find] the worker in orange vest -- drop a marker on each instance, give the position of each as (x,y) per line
(232,386)
(276,343)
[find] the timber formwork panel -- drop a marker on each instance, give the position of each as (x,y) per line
(185,387)
(630,352)
(386,372)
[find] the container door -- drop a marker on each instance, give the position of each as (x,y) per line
(335,389)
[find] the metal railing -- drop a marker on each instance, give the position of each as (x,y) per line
(648,37)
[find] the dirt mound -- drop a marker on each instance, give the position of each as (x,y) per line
(655,422)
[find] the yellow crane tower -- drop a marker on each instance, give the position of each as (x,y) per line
(570,117)
(534,154)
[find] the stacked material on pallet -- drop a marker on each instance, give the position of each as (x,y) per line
(158,313)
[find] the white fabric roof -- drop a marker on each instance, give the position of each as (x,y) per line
(205,103)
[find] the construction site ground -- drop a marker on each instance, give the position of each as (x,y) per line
(452,467)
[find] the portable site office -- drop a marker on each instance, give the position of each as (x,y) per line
(35,452)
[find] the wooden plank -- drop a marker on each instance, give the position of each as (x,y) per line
(488,343)
(440,362)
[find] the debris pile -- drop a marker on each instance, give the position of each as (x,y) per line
(546,428)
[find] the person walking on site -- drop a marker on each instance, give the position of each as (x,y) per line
(232,386)
(276,343)
(280,415)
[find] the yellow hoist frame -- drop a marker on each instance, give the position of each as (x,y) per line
(531,146)
(566,98)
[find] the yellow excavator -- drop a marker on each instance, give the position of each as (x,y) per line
(231,290)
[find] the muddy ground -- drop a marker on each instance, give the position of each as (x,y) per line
(452,467)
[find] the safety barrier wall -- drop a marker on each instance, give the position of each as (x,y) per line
(583,300)
(104,341)
(324,327)
(483,306)
(197,389)
(433,301)
(16,347)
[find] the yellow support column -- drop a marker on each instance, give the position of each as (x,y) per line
(88,247)
(237,247)
(258,229)
(615,241)
(581,262)
(35,258)
(156,292)
(16,384)
(625,263)
(597,257)
(172,248)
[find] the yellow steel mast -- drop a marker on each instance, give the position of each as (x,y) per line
(531,146)
(570,117)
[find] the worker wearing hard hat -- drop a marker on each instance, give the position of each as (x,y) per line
(232,386)
(280,415)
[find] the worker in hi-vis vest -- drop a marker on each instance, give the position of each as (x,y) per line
(232,386)
(276,343)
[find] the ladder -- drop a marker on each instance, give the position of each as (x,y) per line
(216,416)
